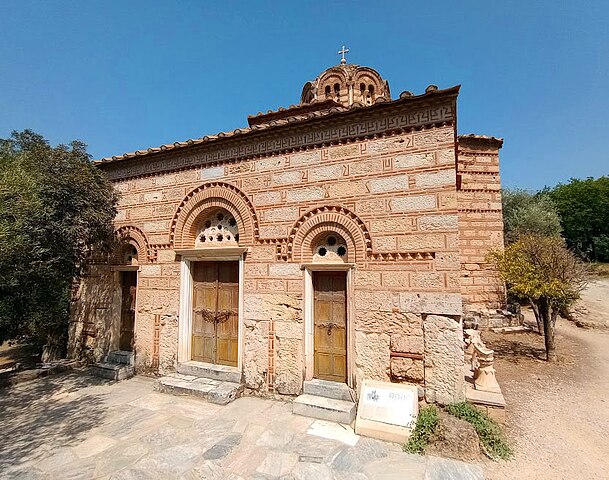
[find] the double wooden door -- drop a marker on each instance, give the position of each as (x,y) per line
(330,325)
(215,319)
(129,289)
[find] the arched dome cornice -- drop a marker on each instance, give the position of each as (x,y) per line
(347,84)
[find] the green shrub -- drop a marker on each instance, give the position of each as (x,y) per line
(427,422)
(490,433)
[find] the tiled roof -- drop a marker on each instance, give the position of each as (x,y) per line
(298,115)
(473,136)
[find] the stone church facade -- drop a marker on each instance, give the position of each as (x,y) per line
(343,238)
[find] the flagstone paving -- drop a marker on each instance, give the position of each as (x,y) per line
(74,426)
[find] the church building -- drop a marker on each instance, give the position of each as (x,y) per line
(340,239)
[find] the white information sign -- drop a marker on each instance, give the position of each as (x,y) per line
(387,410)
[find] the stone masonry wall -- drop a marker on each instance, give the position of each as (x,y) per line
(93,329)
(403,190)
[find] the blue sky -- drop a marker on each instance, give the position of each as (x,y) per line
(124,75)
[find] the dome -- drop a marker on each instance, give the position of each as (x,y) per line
(347,84)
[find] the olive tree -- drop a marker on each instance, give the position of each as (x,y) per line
(541,269)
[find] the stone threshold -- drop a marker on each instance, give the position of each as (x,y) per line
(222,373)
(214,391)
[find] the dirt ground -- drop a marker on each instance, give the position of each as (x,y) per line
(558,414)
(13,352)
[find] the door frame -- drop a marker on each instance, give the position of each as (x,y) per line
(187,258)
(309,320)
(117,270)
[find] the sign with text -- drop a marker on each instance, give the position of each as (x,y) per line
(387,410)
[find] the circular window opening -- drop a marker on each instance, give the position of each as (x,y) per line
(331,241)
(322,252)
(220,217)
(219,237)
(208,224)
(232,222)
(341,251)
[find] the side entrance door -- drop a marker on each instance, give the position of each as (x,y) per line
(330,325)
(215,316)
(129,289)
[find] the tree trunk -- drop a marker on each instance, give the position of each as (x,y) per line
(548,317)
(537,318)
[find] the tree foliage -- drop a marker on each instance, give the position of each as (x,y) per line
(54,207)
(542,270)
(583,206)
(526,213)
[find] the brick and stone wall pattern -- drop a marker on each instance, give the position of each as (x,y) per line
(402,188)
(480,223)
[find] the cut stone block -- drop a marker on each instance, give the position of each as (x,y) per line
(339,411)
(120,357)
(213,391)
(112,371)
(325,388)
(221,373)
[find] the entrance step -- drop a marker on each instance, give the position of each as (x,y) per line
(214,391)
(112,371)
(325,388)
(339,411)
(221,373)
(120,357)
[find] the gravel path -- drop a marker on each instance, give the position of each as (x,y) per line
(558,414)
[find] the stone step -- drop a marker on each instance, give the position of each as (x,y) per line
(339,411)
(328,389)
(221,373)
(120,357)
(112,371)
(214,391)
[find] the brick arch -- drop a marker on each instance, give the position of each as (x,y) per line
(213,195)
(137,238)
(318,221)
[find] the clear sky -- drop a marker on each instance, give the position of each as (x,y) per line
(124,75)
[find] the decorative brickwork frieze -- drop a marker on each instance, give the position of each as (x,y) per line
(137,238)
(323,220)
(215,194)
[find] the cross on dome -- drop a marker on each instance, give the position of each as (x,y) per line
(342,52)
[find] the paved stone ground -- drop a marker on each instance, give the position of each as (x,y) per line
(74,426)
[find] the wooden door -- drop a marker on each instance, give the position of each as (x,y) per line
(215,326)
(330,325)
(129,290)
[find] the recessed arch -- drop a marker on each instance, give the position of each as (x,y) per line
(329,219)
(130,235)
(185,224)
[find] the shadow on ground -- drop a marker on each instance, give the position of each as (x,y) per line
(15,352)
(44,413)
(516,347)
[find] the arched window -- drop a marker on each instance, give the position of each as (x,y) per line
(129,255)
(328,91)
(337,92)
(330,248)
(369,100)
(218,228)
